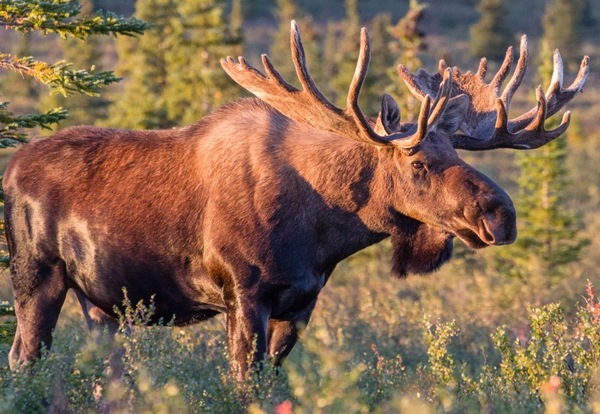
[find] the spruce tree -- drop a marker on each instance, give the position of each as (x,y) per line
(173,73)
(142,62)
(196,83)
(407,43)
(491,35)
(549,229)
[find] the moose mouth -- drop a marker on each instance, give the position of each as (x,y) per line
(483,233)
(472,239)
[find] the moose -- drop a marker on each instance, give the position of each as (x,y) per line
(248,211)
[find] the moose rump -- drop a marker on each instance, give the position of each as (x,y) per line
(80,213)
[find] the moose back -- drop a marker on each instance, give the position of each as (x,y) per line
(248,211)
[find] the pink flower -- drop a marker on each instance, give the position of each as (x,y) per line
(284,408)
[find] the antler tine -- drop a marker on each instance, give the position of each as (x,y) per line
(404,140)
(487,125)
(442,65)
(557,74)
(414,82)
(299,59)
(482,69)
(309,105)
(443,96)
(271,72)
(544,136)
(360,73)
(535,134)
(519,74)
(503,71)
(423,123)
(556,93)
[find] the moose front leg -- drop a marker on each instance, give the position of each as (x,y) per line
(246,336)
(283,334)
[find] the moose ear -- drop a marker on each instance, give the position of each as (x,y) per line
(453,115)
(388,120)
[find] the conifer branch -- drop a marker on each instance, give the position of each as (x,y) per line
(58,76)
(10,124)
(56,16)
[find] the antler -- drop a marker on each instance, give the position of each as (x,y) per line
(487,125)
(310,106)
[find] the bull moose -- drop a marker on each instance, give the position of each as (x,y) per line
(248,211)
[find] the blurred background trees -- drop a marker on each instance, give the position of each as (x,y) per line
(491,35)
(174,75)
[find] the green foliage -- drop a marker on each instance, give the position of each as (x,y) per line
(59,76)
(7,327)
(551,364)
(57,16)
(173,72)
(491,35)
(441,365)
(12,125)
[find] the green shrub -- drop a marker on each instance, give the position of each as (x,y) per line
(551,365)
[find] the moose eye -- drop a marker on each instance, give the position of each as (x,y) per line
(417,165)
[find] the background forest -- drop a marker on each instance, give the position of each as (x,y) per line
(504,329)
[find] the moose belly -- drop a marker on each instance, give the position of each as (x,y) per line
(165,299)
(178,290)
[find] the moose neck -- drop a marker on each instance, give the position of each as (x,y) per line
(354,184)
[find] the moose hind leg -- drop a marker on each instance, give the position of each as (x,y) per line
(40,290)
(95,317)
(100,323)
